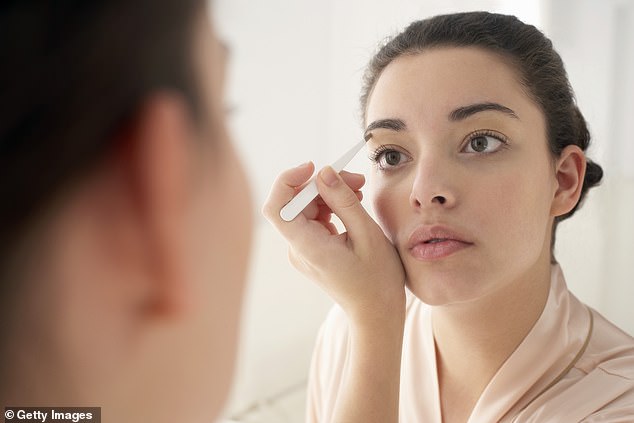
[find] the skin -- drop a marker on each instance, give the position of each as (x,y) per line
(502,201)
(140,280)
(486,296)
(369,290)
(486,194)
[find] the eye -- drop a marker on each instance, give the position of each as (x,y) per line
(391,158)
(484,143)
(387,158)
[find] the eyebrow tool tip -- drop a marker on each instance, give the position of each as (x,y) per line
(294,207)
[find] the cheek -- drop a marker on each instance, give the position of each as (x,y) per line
(228,224)
(223,234)
(389,200)
(516,210)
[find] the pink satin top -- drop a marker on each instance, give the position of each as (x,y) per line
(573,366)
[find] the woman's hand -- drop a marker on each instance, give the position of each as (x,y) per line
(360,269)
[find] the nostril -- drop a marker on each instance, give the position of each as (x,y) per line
(440,199)
(436,199)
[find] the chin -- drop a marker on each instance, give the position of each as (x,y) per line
(442,288)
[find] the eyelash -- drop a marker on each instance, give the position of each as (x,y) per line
(485,133)
(376,154)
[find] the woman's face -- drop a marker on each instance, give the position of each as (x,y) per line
(463,180)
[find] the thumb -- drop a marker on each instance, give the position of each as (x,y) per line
(343,202)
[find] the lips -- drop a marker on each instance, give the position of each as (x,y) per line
(435,242)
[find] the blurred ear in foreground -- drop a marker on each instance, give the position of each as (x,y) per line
(150,173)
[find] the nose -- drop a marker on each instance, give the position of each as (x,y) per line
(433,186)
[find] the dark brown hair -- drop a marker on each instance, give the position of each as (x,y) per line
(71,73)
(539,66)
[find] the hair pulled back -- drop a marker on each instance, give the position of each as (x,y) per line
(71,73)
(539,67)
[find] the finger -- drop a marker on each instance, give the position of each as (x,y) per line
(354,180)
(315,208)
(320,202)
(324,214)
(325,219)
(312,210)
(343,201)
(285,188)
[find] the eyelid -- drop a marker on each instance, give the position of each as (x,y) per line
(487,133)
(377,152)
(376,155)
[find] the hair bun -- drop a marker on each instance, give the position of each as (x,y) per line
(594,175)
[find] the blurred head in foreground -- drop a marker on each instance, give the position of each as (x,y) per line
(120,277)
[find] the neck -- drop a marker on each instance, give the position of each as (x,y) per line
(474,339)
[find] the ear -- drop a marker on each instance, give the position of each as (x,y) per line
(569,173)
(155,158)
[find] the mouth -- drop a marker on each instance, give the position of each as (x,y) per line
(428,243)
(435,240)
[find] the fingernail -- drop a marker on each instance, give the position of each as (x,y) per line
(302,165)
(329,176)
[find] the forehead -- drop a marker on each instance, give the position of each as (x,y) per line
(440,79)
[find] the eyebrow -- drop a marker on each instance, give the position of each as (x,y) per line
(392,124)
(460,113)
(464,112)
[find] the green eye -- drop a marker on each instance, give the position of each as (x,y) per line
(479,143)
(483,144)
(392,158)
(387,158)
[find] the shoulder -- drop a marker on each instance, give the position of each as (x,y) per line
(610,350)
(604,375)
(608,365)
(600,387)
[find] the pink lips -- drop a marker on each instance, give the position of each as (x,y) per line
(429,243)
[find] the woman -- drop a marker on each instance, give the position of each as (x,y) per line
(119,287)
(479,153)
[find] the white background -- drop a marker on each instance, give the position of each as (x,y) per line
(295,77)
